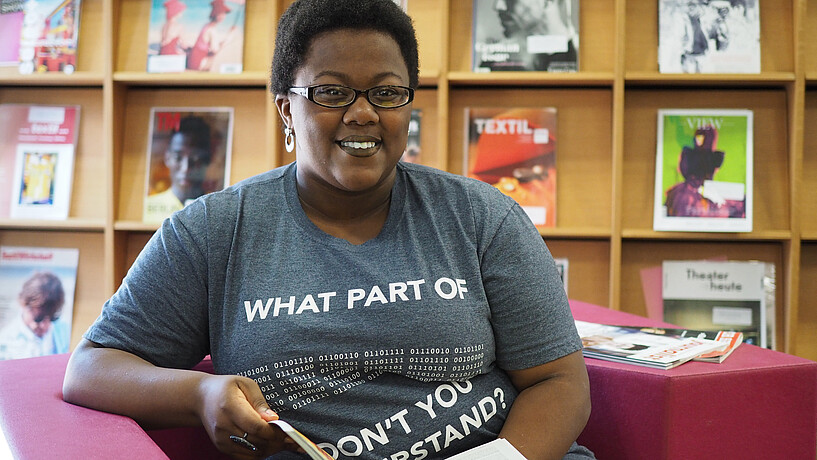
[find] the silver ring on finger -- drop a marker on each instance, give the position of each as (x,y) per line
(242,441)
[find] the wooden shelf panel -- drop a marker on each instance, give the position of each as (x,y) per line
(88,296)
(808,202)
(256,79)
(640,234)
(596,36)
(132,21)
(583,152)
(530,79)
(640,255)
(805,324)
(89,190)
(659,80)
(771,150)
(588,268)
(77,225)
(249,140)
(776,37)
(79,78)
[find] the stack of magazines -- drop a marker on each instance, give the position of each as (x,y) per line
(660,348)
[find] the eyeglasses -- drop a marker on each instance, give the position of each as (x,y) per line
(337,96)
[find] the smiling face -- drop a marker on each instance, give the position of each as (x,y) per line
(351,149)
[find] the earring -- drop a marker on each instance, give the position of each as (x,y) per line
(289,139)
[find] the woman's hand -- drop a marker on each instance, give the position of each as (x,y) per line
(232,406)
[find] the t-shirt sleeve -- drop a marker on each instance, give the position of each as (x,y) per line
(159,313)
(529,309)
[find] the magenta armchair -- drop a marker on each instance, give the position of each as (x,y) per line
(757,404)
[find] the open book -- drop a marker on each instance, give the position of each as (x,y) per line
(311,449)
(498,449)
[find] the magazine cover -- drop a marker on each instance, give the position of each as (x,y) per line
(525,35)
(11,26)
(36,300)
(515,151)
(730,340)
(48,39)
(729,296)
(196,36)
(703,171)
(708,36)
(413,150)
(640,346)
(42,140)
(188,156)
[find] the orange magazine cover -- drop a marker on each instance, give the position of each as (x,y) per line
(514,149)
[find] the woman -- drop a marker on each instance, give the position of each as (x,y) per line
(386,310)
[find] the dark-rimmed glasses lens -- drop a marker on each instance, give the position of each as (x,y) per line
(336,96)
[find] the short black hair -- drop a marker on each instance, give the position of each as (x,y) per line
(306,19)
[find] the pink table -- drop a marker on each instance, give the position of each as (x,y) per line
(757,404)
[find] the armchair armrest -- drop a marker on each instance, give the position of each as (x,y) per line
(37,423)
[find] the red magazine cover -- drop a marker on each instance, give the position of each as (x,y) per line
(37,160)
(514,149)
(48,40)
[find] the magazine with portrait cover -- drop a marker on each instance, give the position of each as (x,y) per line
(36,300)
(514,149)
(721,295)
(413,151)
(703,170)
(49,35)
(189,150)
(11,26)
(525,35)
(709,36)
(640,346)
(40,141)
(196,36)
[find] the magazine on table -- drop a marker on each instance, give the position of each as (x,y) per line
(714,36)
(721,295)
(41,140)
(704,170)
(188,155)
(730,340)
(639,346)
(196,36)
(49,35)
(525,36)
(514,149)
(36,300)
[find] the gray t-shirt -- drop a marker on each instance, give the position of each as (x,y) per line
(388,349)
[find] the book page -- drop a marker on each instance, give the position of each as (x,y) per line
(498,449)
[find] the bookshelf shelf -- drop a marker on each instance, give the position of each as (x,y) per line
(606,157)
(251,79)
(767,79)
(76,79)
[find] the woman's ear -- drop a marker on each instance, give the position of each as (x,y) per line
(282,103)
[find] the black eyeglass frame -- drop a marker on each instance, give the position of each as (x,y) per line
(309,93)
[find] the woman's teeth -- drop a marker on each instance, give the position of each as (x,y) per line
(358,145)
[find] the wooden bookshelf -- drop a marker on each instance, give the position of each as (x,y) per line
(606,129)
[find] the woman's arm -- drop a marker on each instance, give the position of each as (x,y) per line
(552,407)
(115,381)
